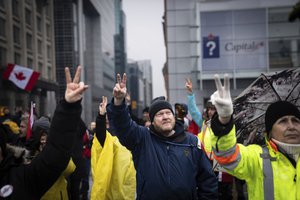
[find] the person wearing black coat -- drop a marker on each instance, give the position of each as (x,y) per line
(31,181)
(75,179)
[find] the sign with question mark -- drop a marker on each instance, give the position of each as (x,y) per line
(211,46)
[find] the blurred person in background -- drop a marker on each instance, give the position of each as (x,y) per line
(31,181)
(87,147)
(181,111)
(225,180)
(80,173)
(146,117)
(36,144)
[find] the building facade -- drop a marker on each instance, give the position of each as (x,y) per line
(241,38)
(48,36)
(139,84)
(146,68)
(84,35)
(27,39)
(120,39)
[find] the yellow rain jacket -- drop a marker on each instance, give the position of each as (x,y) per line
(245,162)
(205,138)
(59,189)
(13,126)
(114,175)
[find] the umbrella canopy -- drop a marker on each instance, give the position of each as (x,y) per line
(250,106)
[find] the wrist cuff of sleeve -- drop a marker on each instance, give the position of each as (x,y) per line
(220,129)
(70,105)
(102,116)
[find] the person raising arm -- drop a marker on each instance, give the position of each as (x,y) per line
(168,161)
(31,181)
(271,171)
(112,166)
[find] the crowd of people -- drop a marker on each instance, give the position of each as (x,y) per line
(172,152)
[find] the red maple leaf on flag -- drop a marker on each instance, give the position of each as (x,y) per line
(20,76)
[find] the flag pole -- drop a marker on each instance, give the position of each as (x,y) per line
(30,120)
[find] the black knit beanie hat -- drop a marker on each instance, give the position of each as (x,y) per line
(146,110)
(277,110)
(158,104)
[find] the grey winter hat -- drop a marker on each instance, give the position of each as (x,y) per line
(158,104)
(42,123)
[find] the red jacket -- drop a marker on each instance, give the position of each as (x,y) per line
(87,145)
(193,128)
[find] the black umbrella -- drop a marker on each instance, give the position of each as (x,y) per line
(251,104)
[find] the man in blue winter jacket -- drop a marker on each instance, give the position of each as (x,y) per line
(169,162)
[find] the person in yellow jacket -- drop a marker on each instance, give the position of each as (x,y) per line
(13,126)
(59,188)
(271,171)
(113,172)
(225,180)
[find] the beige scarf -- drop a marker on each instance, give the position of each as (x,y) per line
(293,150)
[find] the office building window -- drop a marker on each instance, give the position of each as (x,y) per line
(229,30)
(49,53)
(39,24)
(29,41)
(2,27)
(2,57)
(29,2)
(40,67)
(48,10)
(39,6)
(2,4)
(17,58)
(283,39)
(48,31)
(28,16)
(15,7)
(40,47)
(280,48)
(49,75)
(30,63)
(16,35)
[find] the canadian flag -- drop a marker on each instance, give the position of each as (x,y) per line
(22,77)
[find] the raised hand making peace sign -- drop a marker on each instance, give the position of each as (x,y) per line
(120,89)
(102,106)
(221,98)
(189,85)
(74,89)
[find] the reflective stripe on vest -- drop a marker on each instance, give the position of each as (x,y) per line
(268,174)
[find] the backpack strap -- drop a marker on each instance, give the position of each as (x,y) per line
(268,174)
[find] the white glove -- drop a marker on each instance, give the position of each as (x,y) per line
(221,98)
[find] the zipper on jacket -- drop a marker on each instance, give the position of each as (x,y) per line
(61,195)
(169,178)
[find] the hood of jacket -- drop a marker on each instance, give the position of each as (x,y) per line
(178,136)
